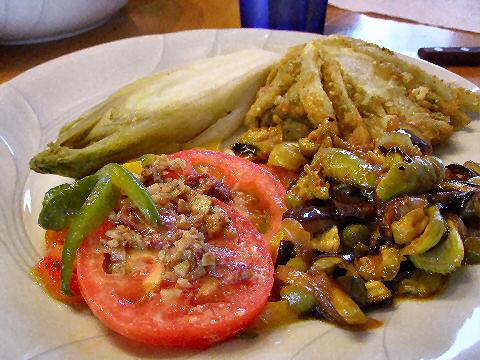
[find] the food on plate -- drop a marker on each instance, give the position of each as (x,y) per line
(373,215)
(338,88)
(176,255)
(333,205)
(162,113)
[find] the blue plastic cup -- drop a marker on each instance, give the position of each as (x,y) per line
(299,15)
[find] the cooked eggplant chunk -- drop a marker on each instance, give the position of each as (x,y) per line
(411,178)
(344,166)
(445,257)
(421,284)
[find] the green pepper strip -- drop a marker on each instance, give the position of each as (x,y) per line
(134,190)
(93,212)
(98,205)
(63,202)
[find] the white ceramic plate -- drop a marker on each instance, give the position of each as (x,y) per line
(34,105)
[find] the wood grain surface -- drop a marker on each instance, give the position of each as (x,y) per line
(142,17)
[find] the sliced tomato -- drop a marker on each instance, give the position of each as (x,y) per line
(196,317)
(53,237)
(265,192)
(47,270)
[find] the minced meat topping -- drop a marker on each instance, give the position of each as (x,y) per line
(191,217)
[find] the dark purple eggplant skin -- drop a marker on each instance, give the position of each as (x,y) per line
(424,146)
(355,209)
(351,203)
(286,251)
(246,151)
(312,218)
(458,185)
(458,172)
(449,201)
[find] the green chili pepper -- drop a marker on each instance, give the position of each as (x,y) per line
(93,212)
(410,178)
(125,181)
(62,202)
(100,202)
(345,166)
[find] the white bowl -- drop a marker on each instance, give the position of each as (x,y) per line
(30,21)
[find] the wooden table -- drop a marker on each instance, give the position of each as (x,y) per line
(140,17)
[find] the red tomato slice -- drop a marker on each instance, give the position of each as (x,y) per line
(246,177)
(194,319)
(47,270)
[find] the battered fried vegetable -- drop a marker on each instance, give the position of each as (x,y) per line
(411,178)
(279,80)
(363,90)
(349,120)
(362,73)
(412,75)
(317,105)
